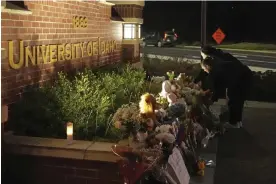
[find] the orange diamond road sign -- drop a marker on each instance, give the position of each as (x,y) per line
(218,36)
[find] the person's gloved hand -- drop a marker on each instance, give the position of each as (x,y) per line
(208,92)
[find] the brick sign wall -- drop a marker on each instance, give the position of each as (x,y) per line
(46,170)
(57,36)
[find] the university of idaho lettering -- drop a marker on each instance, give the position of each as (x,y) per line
(44,54)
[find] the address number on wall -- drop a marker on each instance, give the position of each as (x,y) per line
(80,22)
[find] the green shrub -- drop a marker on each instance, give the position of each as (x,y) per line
(88,100)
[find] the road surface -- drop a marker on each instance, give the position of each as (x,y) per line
(253,59)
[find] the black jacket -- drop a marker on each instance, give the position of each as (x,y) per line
(229,74)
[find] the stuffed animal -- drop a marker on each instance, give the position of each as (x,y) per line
(167,92)
(147,106)
(176,89)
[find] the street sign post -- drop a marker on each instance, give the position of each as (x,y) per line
(203,22)
(218,36)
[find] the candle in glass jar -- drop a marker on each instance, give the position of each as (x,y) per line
(69,131)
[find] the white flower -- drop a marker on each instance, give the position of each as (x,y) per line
(161,112)
(163,128)
(165,137)
(157,129)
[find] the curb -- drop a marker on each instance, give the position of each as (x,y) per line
(252,104)
(196,61)
(244,50)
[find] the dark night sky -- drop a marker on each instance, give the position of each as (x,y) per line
(241,21)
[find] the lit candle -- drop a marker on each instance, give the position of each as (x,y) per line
(160,143)
(69,131)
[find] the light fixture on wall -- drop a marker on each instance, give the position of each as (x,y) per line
(139,31)
(69,132)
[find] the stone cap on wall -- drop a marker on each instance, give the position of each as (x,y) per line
(134,20)
(139,2)
(59,148)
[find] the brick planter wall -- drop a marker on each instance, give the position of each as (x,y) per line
(47,170)
(35,160)
(51,23)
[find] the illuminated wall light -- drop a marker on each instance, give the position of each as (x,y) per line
(139,31)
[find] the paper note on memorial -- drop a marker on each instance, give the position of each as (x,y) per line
(179,167)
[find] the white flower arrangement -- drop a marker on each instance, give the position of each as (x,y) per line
(190,91)
(165,137)
(161,112)
(163,129)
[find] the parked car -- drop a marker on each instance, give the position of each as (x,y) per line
(155,38)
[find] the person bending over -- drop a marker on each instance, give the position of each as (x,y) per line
(203,79)
(235,78)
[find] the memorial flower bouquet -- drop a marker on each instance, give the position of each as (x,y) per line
(185,124)
(127,118)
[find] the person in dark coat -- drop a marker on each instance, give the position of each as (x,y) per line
(235,78)
(203,78)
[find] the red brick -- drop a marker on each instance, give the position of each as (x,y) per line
(27,23)
(35,24)
(5,15)
(38,18)
(43,24)
(30,5)
(45,8)
(46,30)
(91,173)
(42,37)
(38,6)
(52,19)
(31,18)
(23,17)
(4,44)
(49,25)
(31,30)
(5,30)
(42,13)
(49,14)
(7,23)
(38,30)
(7,37)
(52,30)
(14,17)
(45,19)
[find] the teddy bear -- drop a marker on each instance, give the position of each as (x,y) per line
(148,106)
